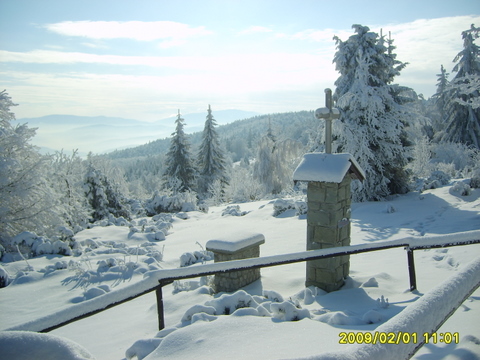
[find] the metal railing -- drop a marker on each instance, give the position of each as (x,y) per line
(156,280)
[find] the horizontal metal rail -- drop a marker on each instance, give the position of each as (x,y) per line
(155,280)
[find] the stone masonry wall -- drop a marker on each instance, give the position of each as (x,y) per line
(328,225)
(234,280)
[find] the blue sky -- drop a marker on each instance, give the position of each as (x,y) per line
(146,59)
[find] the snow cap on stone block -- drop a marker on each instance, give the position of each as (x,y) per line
(233,242)
(327,168)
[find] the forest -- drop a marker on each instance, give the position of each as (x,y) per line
(402,141)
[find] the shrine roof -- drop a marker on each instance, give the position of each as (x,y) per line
(327,168)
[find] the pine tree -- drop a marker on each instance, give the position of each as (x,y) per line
(440,95)
(103,196)
(373,117)
(463,104)
(178,162)
(210,159)
(270,133)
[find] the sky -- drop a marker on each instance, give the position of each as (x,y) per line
(145,60)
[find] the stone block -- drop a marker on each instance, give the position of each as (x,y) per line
(325,234)
(241,247)
(315,191)
(331,194)
(318,218)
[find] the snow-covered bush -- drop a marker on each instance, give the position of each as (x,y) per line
(439,162)
(243,187)
(282,205)
(104,265)
(190,258)
(182,215)
(233,210)
(228,303)
(436,179)
(301,206)
(241,303)
(164,217)
(38,245)
(203,207)
(288,311)
(461,188)
(382,302)
(136,207)
(185,201)
(4,278)
(272,296)
(66,234)
(203,284)
(475,182)
(463,158)
(187,317)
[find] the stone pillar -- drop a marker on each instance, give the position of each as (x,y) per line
(328,225)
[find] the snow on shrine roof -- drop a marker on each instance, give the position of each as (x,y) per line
(327,168)
(234,242)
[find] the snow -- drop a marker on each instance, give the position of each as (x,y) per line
(24,345)
(325,167)
(376,292)
(231,243)
(431,308)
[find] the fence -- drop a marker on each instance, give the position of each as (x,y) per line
(156,280)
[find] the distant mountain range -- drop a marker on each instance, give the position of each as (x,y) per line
(100,134)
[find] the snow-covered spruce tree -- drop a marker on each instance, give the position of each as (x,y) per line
(440,99)
(373,117)
(211,161)
(463,102)
(178,161)
(27,203)
(102,196)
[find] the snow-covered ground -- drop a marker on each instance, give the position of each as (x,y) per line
(114,257)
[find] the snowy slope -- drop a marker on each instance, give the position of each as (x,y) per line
(360,305)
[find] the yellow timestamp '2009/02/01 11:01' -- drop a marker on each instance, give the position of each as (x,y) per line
(379,337)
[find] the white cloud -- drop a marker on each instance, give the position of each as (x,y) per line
(230,81)
(168,31)
(254,30)
(323,35)
(232,63)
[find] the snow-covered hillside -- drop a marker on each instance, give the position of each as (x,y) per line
(113,257)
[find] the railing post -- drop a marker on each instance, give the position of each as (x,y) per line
(411,269)
(161,316)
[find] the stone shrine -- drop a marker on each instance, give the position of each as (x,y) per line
(329,205)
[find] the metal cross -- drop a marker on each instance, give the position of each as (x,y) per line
(328,113)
